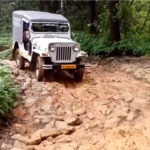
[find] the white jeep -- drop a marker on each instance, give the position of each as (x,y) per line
(44,40)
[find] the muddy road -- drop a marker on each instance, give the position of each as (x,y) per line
(109,110)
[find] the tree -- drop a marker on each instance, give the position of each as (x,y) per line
(93,17)
(114,27)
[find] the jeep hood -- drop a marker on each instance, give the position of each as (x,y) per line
(46,41)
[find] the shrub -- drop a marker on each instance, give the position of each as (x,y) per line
(7,91)
(5,54)
(129,45)
(5,43)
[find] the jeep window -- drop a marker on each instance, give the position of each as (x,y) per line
(49,27)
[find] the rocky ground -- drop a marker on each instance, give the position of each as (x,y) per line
(109,110)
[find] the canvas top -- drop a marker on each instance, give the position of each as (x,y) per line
(39,16)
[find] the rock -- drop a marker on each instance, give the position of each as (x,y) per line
(28,80)
(45,92)
(72,120)
(79,112)
(46,108)
(42,134)
(91,116)
(112,122)
(20,138)
(16,72)
(105,110)
(18,144)
(128,97)
(43,118)
(34,81)
(64,128)
(29,102)
(5,146)
(25,86)
(131,116)
(19,128)
(16,148)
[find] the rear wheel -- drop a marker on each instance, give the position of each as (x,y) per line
(20,61)
(79,74)
(39,69)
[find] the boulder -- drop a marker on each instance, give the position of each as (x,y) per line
(64,127)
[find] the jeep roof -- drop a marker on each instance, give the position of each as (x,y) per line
(40,16)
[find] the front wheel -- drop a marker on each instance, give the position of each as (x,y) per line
(20,61)
(79,74)
(39,69)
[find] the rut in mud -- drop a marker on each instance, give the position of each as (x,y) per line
(109,110)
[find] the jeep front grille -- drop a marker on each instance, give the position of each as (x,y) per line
(63,53)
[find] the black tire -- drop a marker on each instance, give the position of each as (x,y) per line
(32,65)
(39,69)
(20,61)
(79,74)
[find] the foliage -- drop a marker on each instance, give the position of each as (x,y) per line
(5,54)
(7,91)
(129,45)
(5,43)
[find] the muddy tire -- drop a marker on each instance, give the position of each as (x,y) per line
(20,61)
(39,69)
(32,65)
(79,74)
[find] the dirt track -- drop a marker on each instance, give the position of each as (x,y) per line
(109,110)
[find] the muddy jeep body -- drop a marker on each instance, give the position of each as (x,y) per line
(44,40)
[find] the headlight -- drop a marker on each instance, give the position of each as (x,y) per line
(76,48)
(52,48)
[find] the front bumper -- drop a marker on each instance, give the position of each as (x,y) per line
(58,66)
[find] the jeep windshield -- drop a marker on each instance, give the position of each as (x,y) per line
(50,27)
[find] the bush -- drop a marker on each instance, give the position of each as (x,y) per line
(5,43)
(5,54)
(7,92)
(135,45)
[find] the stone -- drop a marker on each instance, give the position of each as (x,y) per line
(90,116)
(16,72)
(20,138)
(29,102)
(79,112)
(18,144)
(19,128)
(112,122)
(130,116)
(128,97)
(64,127)
(40,134)
(25,86)
(72,120)
(46,107)
(5,146)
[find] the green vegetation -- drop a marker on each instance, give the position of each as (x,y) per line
(7,92)
(5,44)
(101,46)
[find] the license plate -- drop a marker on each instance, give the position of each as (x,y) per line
(71,66)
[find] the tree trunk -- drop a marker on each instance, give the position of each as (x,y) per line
(144,24)
(41,5)
(93,17)
(114,31)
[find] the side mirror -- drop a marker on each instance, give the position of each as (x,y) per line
(27,34)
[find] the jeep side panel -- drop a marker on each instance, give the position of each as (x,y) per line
(17,29)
